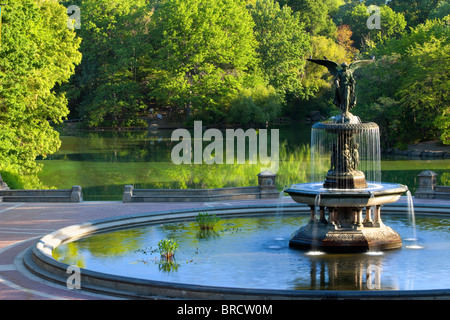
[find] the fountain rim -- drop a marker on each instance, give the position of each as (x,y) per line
(38,259)
(330,125)
(386,189)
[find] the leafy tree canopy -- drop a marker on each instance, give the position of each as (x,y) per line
(282,46)
(441,10)
(415,11)
(38,52)
(391,25)
(201,57)
(412,79)
(316,14)
(107,89)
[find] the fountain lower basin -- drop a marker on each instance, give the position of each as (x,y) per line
(402,274)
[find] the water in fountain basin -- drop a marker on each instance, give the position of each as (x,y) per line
(253,252)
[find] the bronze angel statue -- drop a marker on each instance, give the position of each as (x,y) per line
(345,97)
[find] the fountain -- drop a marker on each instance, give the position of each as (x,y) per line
(345,193)
(250,257)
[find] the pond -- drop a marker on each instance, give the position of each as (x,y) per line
(102,162)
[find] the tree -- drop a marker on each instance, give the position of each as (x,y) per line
(38,53)
(426,85)
(415,11)
(392,25)
(442,10)
(281,42)
(344,39)
(201,56)
(315,14)
(412,76)
(108,89)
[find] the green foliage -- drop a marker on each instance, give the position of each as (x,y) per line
(392,25)
(442,10)
(445,179)
(442,123)
(281,41)
(107,90)
(425,87)
(415,11)
(316,14)
(255,106)
(201,57)
(166,249)
(206,221)
(408,86)
(38,53)
(190,59)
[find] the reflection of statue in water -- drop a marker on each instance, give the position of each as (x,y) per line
(345,97)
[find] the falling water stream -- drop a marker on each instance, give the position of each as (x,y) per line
(368,140)
(412,221)
(314,251)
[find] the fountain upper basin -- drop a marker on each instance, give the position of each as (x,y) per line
(315,194)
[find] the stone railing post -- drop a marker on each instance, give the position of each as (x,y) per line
(267,186)
(427,185)
(77,194)
(128,193)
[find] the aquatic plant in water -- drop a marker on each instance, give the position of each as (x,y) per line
(206,220)
(167,248)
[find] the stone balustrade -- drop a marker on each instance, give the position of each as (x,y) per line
(52,195)
(266,189)
(428,188)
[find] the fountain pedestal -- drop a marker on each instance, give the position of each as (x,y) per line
(315,237)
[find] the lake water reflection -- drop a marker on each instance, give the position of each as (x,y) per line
(103,162)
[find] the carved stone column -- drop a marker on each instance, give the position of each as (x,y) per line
(368,222)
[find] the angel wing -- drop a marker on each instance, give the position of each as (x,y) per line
(359,64)
(332,66)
